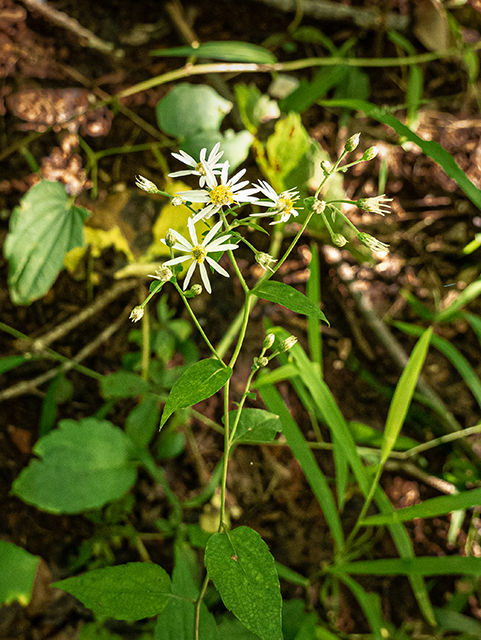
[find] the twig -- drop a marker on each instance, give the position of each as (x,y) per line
(61,19)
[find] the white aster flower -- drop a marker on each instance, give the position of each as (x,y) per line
(198,252)
(230,191)
(202,168)
(283,204)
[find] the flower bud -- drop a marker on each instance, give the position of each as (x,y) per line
(319,206)
(146,185)
(339,240)
(370,154)
(372,243)
(269,341)
(325,166)
(176,201)
(287,344)
(170,238)
(261,362)
(196,289)
(377,204)
(136,314)
(265,260)
(352,143)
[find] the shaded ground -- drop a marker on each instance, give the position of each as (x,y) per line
(431,222)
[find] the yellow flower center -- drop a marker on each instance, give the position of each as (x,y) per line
(285,204)
(200,169)
(199,253)
(221,195)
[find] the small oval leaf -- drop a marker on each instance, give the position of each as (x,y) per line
(243,571)
(127,592)
(288,297)
(199,382)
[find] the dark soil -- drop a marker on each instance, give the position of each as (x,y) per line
(431,222)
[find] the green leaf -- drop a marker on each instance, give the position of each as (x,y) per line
(190,108)
(308,92)
(255,425)
(429,508)
(403,395)
(243,571)
(289,297)
(471,292)
(198,382)
(84,465)
(17,574)
(176,621)
(370,604)
(231,51)
(123,384)
(234,145)
(254,106)
(11,362)
(142,422)
(428,147)
(127,592)
(42,230)
(424,566)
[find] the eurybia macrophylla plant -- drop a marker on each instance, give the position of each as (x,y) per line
(214,230)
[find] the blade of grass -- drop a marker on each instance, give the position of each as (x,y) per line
(370,604)
(471,292)
(313,290)
(424,566)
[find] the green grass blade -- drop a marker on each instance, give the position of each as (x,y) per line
(471,292)
(452,354)
(403,395)
(475,322)
(370,604)
(424,566)
(429,508)
(305,457)
(313,290)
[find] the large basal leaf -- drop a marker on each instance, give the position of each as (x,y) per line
(127,592)
(83,466)
(199,382)
(288,297)
(243,571)
(190,108)
(42,230)
(224,50)
(17,574)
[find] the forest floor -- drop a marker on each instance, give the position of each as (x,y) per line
(430,223)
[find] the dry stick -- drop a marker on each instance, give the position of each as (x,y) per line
(30,386)
(61,19)
(39,344)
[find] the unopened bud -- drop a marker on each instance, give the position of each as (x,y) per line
(146,185)
(176,201)
(352,143)
(196,289)
(261,362)
(170,238)
(339,240)
(136,314)
(319,206)
(370,154)
(287,344)
(269,341)
(325,166)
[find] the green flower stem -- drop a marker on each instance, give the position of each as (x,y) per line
(241,403)
(197,324)
(198,602)
(145,358)
(223,486)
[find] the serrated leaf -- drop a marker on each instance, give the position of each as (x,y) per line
(84,465)
(243,571)
(42,230)
(255,425)
(288,297)
(198,382)
(127,592)
(231,51)
(190,108)
(17,574)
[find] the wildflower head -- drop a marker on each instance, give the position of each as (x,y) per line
(319,206)
(176,201)
(136,314)
(281,204)
(163,273)
(146,185)
(378,204)
(265,260)
(170,238)
(352,143)
(372,243)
